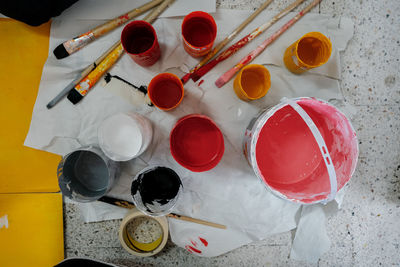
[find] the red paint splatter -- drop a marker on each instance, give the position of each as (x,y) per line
(203,241)
(201,82)
(195,249)
(188,249)
(194,243)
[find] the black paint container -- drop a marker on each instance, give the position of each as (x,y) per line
(155,190)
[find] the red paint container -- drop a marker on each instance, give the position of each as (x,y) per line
(304,150)
(198,32)
(139,40)
(197,143)
(166,91)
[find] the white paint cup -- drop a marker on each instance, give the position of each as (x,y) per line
(125,136)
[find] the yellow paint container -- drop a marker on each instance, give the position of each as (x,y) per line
(310,51)
(252,82)
(129,239)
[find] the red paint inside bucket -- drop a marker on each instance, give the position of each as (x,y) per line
(139,40)
(289,159)
(199,31)
(196,143)
(166,91)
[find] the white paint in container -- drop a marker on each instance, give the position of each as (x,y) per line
(125,136)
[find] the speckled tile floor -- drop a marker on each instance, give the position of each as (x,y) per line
(366,231)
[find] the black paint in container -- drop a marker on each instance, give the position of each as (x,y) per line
(155,190)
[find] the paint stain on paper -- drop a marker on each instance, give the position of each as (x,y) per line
(4,221)
(196,248)
(136,95)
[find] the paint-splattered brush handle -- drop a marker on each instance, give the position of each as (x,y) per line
(77,43)
(252,55)
(242,42)
(224,42)
(84,86)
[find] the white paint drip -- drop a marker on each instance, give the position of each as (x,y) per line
(4,221)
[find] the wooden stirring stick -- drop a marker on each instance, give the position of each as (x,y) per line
(224,42)
(129,205)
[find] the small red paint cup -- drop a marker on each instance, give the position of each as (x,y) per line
(166,91)
(197,143)
(198,33)
(139,40)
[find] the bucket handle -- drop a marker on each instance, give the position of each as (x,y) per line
(322,147)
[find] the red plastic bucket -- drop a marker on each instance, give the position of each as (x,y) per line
(139,40)
(197,143)
(199,31)
(304,150)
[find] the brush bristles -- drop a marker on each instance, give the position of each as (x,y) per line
(74,96)
(60,52)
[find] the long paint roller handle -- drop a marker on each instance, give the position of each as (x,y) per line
(247,59)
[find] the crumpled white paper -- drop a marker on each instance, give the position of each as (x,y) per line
(230,193)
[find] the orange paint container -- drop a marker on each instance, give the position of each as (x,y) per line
(310,51)
(252,82)
(166,91)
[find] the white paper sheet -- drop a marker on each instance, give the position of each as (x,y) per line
(229,194)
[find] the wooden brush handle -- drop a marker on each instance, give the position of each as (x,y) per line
(112,24)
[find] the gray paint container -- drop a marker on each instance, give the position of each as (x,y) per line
(86,174)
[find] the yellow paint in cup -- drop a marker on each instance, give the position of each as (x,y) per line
(252,82)
(310,51)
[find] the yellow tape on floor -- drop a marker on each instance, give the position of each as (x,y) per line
(23,51)
(31,229)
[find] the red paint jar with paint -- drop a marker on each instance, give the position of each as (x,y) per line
(166,91)
(199,31)
(304,150)
(139,40)
(197,143)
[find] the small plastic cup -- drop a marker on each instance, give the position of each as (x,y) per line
(310,51)
(166,91)
(197,143)
(139,40)
(155,190)
(125,136)
(199,31)
(252,82)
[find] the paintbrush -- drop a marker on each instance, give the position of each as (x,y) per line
(82,75)
(129,205)
(242,42)
(82,88)
(224,42)
(252,55)
(71,46)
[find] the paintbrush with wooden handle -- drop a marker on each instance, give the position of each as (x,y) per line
(242,42)
(71,46)
(129,205)
(252,55)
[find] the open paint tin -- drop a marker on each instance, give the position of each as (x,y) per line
(143,235)
(125,136)
(303,149)
(197,143)
(86,174)
(155,190)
